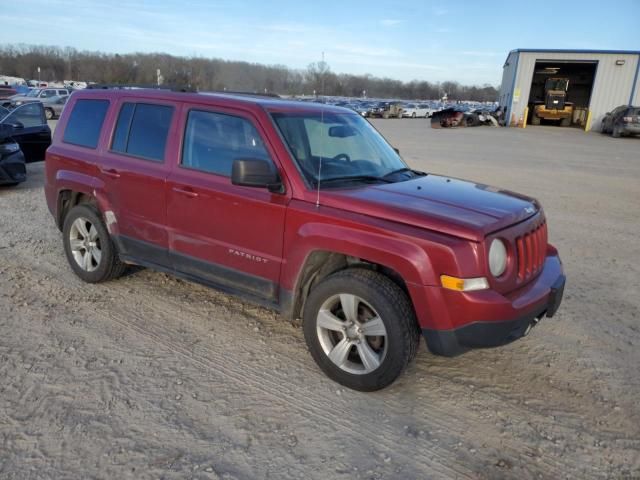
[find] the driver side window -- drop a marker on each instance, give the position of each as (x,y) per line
(212,141)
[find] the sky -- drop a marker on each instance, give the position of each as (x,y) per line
(466,41)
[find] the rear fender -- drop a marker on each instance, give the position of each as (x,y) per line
(90,186)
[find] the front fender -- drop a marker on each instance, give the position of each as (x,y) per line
(407,259)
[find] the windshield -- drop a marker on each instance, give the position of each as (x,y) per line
(33,93)
(334,146)
(557,84)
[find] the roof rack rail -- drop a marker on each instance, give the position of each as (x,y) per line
(248,94)
(136,86)
(175,88)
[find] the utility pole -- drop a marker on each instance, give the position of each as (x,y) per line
(323,74)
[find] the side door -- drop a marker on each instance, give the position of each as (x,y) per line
(225,234)
(31,130)
(134,168)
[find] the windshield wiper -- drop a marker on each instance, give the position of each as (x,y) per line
(353,178)
(402,170)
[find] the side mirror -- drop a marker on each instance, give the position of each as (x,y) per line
(16,125)
(397,150)
(256,172)
(608,113)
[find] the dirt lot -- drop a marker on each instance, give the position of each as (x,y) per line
(153,377)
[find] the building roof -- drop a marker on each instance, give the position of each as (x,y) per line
(559,50)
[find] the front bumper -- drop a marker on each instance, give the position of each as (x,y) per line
(12,169)
(498,319)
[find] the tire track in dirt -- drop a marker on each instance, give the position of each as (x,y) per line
(441,419)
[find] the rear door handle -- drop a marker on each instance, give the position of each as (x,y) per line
(187,191)
(110,172)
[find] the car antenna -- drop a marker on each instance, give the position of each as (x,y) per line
(320,161)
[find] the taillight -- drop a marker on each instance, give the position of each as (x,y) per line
(627,119)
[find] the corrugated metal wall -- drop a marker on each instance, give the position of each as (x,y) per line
(636,100)
(612,86)
(508,71)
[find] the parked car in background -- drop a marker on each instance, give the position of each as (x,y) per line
(53,106)
(386,110)
(24,136)
(29,129)
(415,110)
(360,108)
(36,94)
(623,120)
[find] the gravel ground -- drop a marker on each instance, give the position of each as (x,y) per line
(153,377)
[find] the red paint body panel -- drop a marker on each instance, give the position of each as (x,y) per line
(421,228)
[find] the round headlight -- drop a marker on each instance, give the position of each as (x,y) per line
(497,257)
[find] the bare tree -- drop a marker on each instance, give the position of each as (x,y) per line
(215,74)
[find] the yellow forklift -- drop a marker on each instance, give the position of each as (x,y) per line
(554,106)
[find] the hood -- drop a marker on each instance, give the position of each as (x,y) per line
(448,205)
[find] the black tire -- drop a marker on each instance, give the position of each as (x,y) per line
(471,120)
(12,184)
(565,122)
(413,115)
(615,133)
(109,266)
(49,113)
(535,120)
(391,305)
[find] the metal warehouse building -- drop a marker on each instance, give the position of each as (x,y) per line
(599,81)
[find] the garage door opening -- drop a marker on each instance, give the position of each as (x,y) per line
(560,93)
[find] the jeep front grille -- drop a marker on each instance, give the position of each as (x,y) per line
(531,251)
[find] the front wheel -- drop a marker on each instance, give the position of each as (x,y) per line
(360,329)
(48,113)
(88,246)
(616,132)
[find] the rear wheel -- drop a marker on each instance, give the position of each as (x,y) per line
(88,246)
(535,119)
(360,329)
(48,113)
(413,115)
(565,122)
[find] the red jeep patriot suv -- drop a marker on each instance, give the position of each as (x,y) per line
(304,208)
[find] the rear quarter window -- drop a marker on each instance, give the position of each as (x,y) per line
(85,123)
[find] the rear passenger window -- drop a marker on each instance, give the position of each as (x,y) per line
(85,123)
(142,130)
(212,141)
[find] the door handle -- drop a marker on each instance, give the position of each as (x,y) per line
(110,172)
(187,191)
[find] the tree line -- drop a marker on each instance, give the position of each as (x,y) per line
(57,64)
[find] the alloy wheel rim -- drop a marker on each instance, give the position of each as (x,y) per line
(85,245)
(351,334)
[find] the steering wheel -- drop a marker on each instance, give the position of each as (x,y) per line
(342,155)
